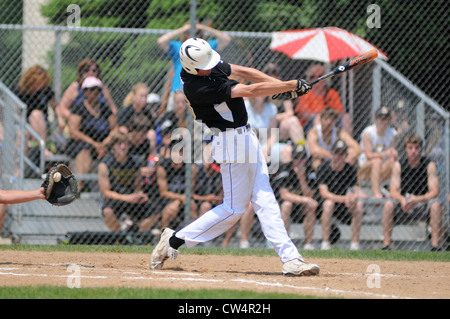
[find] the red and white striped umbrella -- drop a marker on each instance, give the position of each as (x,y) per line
(322,44)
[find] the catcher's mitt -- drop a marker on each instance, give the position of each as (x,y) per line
(62,192)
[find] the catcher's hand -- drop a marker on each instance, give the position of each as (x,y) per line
(62,192)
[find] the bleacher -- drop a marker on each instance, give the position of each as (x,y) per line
(38,222)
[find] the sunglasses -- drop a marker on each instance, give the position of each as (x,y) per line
(92,89)
(94,69)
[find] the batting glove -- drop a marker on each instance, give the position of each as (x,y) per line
(290,95)
(303,87)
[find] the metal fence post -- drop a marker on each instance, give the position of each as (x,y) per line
(190,125)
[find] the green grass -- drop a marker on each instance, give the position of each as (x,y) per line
(334,253)
(50,292)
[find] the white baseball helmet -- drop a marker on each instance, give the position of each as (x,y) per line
(197,54)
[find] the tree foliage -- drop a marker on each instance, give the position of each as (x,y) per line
(413,34)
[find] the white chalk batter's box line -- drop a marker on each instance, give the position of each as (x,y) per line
(190,277)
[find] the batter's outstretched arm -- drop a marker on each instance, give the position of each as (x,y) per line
(262,89)
(263,84)
(250,74)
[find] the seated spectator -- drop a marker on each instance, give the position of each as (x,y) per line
(400,122)
(322,136)
(171,120)
(154,107)
(134,104)
(170,174)
(435,143)
(35,91)
(91,126)
(338,187)
(262,118)
(378,155)
(75,93)
(414,191)
(136,107)
(296,194)
(310,105)
(138,129)
(118,177)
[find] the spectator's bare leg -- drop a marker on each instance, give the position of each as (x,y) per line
(291,127)
(204,207)
(83,162)
(388,222)
(347,123)
(286,210)
(169,213)
(2,215)
(375,177)
(148,223)
(357,218)
(435,223)
(308,223)
(110,219)
(37,122)
(247,223)
(326,219)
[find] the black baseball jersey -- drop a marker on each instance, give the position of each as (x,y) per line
(414,180)
(210,98)
(338,182)
(122,175)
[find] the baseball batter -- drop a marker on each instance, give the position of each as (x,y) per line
(216,99)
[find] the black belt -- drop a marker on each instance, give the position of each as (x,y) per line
(239,130)
(243,129)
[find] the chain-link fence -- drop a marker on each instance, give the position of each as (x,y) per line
(105,100)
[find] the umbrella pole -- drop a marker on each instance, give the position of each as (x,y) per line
(344,91)
(351,78)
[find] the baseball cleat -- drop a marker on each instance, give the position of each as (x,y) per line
(163,251)
(298,267)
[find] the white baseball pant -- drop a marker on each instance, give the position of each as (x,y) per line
(245,179)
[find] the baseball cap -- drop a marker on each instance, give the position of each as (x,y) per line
(339,147)
(401,105)
(91,82)
(153,98)
(383,112)
(299,152)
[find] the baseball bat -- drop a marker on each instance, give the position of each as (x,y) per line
(350,64)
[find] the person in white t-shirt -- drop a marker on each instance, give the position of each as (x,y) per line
(322,136)
(261,116)
(379,155)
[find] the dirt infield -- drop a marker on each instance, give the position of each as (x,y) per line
(338,278)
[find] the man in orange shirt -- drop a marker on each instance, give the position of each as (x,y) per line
(309,106)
